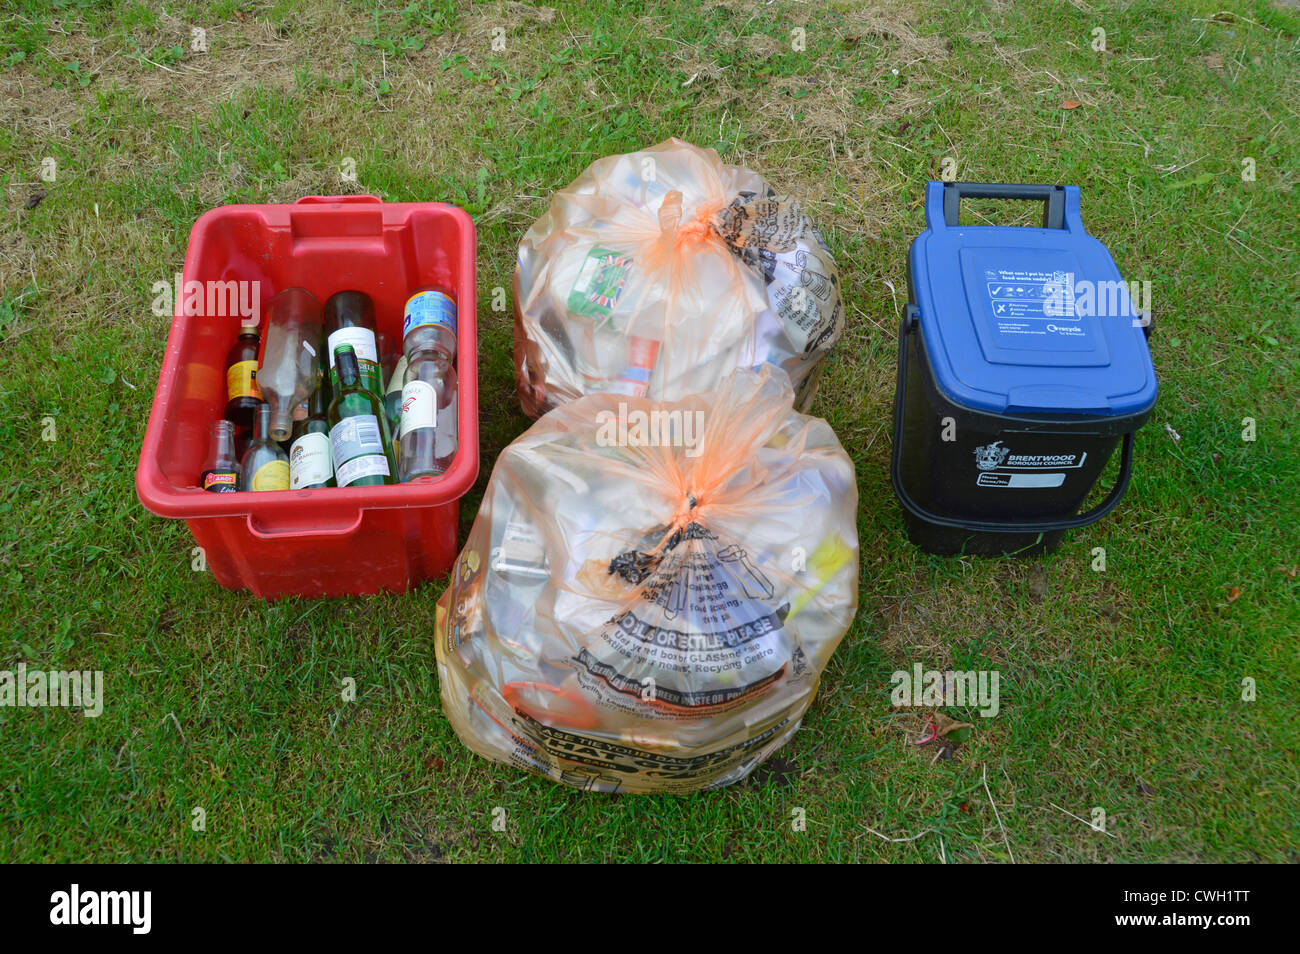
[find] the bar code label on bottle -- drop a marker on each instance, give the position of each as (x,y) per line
(369,466)
(358,448)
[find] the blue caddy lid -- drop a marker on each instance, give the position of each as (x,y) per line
(1027,321)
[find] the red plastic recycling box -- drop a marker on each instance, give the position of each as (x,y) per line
(331,541)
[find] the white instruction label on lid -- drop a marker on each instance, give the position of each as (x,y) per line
(1029,302)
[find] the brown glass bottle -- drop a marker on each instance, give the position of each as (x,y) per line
(242,393)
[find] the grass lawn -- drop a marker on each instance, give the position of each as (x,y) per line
(1121,690)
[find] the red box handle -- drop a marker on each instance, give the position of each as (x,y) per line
(324,199)
(334,530)
(318,218)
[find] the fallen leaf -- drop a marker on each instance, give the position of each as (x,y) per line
(946,727)
(34,199)
(1290,571)
(1233,593)
(1144,788)
(1071,104)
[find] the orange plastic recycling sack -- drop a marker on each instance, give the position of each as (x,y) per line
(651,591)
(657,273)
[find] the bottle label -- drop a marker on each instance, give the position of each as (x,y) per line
(362,341)
(358,448)
(241,381)
(309,461)
(419,406)
(221,481)
(372,465)
(399,372)
(431,308)
(273,475)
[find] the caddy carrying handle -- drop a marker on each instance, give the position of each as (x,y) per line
(1047,525)
(1052,197)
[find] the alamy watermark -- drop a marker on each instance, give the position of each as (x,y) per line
(634,427)
(936,688)
(125,908)
(210,299)
(36,688)
(1066,298)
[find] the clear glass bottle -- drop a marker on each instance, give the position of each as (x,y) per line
(290,366)
(221,472)
(428,431)
(265,465)
(359,438)
(434,314)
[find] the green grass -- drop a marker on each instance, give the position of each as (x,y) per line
(1121,690)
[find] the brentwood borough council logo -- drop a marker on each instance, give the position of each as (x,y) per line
(990,456)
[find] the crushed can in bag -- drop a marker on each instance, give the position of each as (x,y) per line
(651,590)
(657,273)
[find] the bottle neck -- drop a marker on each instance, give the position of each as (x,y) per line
(262,425)
(317,406)
(223,441)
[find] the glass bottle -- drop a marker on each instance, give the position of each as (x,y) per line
(435,313)
(265,466)
(221,472)
(242,393)
(350,320)
(428,431)
(393,396)
(290,366)
(310,460)
(359,437)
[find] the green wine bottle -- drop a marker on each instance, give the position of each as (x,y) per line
(359,438)
(350,319)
